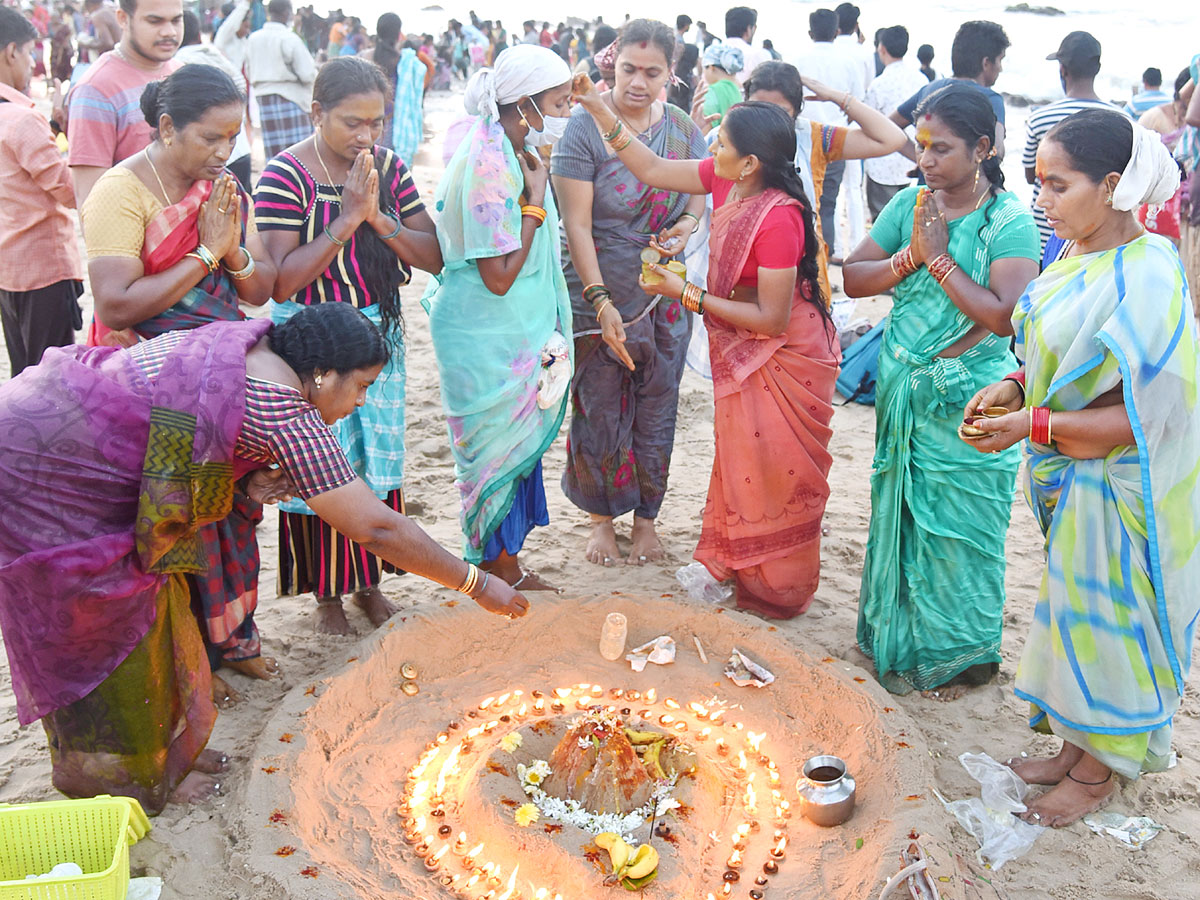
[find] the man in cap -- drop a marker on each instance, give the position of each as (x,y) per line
(1078,58)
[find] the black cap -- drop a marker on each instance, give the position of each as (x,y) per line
(1076,47)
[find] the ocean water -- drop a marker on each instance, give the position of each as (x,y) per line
(1133,35)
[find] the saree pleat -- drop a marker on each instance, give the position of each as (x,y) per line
(1110,646)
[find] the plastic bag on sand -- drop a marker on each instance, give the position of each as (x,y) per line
(989,818)
(700,584)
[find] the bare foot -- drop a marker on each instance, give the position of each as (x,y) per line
(196,787)
(529,581)
(223,695)
(374,604)
(211,762)
(646,545)
(264,667)
(1046,770)
(1070,800)
(331,618)
(946,692)
(602,544)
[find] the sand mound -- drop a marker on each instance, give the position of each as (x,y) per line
(334,774)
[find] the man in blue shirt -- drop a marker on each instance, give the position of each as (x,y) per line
(1150,96)
(976,58)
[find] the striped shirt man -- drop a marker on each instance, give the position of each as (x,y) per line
(105,124)
(1037,126)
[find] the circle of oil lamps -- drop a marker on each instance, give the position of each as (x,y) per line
(483,879)
(408,671)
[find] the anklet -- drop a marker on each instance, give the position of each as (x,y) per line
(1091,783)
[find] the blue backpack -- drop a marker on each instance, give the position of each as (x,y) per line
(860,367)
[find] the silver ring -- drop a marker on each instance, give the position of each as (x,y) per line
(642,558)
(1037,816)
(221,209)
(607,560)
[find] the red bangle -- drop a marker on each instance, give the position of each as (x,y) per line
(941,267)
(1039,425)
(1017,376)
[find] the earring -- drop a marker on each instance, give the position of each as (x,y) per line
(524,124)
(1108,200)
(742,177)
(975,183)
(167,141)
(317,380)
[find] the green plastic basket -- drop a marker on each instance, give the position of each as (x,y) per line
(95,834)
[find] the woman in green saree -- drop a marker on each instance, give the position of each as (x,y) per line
(1111,416)
(958,255)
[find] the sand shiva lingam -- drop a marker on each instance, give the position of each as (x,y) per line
(671,781)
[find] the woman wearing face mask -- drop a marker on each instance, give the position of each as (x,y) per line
(629,348)
(172,245)
(500,316)
(344,224)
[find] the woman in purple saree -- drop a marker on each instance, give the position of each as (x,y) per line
(111,462)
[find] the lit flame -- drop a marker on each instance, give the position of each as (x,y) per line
(741,759)
(743,829)
(418,792)
(698,709)
(522,710)
(779,848)
(755,740)
(751,798)
(474,852)
(487,703)
(449,767)
(735,859)
(562,694)
(502,699)
(541,894)
(651,695)
(511,886)
(437,856)
(671,703)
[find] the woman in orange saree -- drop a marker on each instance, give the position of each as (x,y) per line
(773,349)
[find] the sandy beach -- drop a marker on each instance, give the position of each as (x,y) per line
(215,850)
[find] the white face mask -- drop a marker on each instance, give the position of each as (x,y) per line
(553,127)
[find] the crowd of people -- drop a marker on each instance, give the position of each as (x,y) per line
(135,465)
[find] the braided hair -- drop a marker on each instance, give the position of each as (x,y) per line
(969,116)
(329,337)
(338,79)
(768,132)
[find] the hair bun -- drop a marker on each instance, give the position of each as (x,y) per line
(149,102)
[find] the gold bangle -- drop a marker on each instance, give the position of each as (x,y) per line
(470,581)
(603,306)
(1050,427)
(206,257)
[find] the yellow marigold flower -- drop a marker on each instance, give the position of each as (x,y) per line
(526,815)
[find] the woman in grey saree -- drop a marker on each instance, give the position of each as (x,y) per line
(629,349)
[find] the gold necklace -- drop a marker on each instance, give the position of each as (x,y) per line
(317,148)
(157,177)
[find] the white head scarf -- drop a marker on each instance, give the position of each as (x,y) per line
(521,71)
(1151,176)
